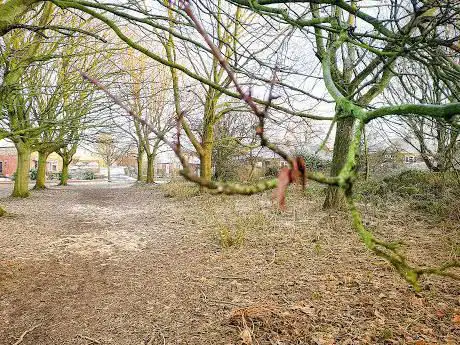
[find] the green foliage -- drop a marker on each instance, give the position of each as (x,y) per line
(88,175)
(33,174)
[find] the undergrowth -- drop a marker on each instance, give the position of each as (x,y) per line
(432,194)
(180,189)
(234,233)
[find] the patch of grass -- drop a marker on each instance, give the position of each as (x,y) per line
(230,237)
(179,189)
(233,233)
(385,334)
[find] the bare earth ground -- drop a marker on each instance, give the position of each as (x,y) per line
(93,264)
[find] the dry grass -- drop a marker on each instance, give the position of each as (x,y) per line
(130,266)
(179,190)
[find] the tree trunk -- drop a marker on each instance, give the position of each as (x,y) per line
(65,172)
(150,169)
(206,154)
(335,197)
(366,156)
(21,181)
(109,178)
(41,171)
(140,163)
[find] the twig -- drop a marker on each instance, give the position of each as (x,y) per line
(21,338)
(94,341)
(232,278)
(153,337)
(215,301)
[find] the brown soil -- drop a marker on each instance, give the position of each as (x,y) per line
(92,264)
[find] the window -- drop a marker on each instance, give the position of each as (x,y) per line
(409,159)
(54,167)
(1,168)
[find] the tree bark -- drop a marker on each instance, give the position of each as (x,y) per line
(206,154)
(12,10)
(335,197)
(140,164)
(109,178)
(41,171)
(150,169)
(21,181)
(65,172)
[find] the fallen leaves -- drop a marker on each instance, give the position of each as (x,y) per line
(456,320)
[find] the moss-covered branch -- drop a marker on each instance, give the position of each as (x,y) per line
(448,112)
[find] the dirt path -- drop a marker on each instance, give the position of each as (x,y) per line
(125,265)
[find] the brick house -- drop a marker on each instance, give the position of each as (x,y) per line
(8,161)
(9,158)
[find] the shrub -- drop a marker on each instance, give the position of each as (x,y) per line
(33,174)
(89,175)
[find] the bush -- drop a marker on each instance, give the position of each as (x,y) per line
(33,174)
(89,175)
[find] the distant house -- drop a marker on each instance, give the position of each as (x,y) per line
(84,164)
(9,162)
(167,165)
(393,158)
(53,163)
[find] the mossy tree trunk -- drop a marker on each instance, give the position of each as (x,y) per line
(206,159)
(41,171)
(140,164)
(65,172)
(150,168)
(12,11)
(335,197)
(67,156)
(21,181)
(207,142)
